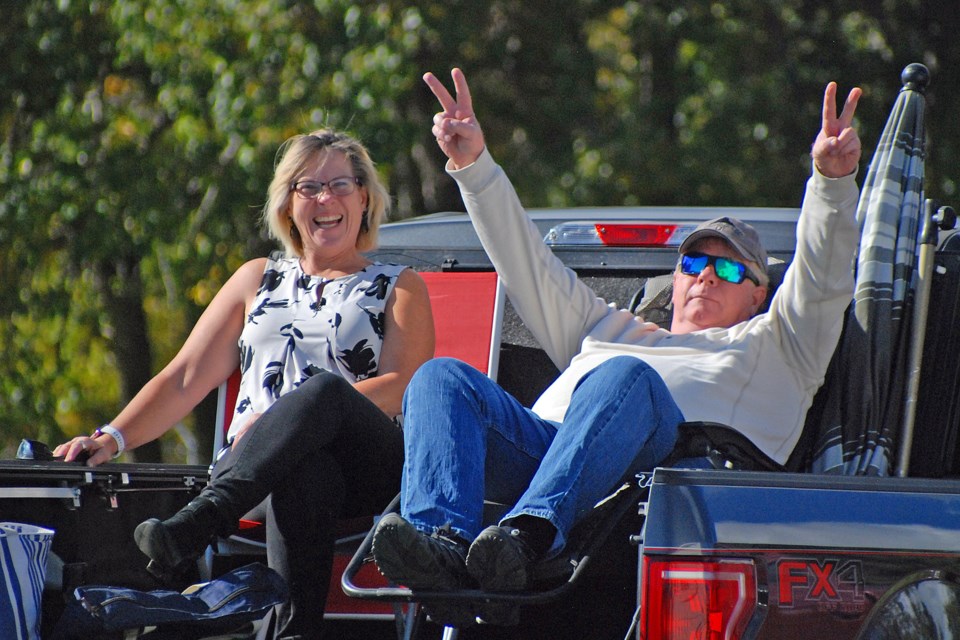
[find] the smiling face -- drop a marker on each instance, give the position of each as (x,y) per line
(328,224)
(705,301)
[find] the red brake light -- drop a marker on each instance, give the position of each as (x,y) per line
(688,600)
(636,235)
(618,234)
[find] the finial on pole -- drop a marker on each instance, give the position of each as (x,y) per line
(915,77)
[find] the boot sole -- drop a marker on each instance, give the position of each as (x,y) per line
(493,563)
(402,556)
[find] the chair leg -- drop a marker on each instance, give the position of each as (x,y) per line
(634,623)
(450,633)
(205,564)
(408,621)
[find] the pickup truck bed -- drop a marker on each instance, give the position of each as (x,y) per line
(808,556)
(811,556)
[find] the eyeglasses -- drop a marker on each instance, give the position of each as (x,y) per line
(339,186)
(692,264)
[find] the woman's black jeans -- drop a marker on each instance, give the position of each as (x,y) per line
(322,452)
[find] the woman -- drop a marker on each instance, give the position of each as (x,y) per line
(327,343)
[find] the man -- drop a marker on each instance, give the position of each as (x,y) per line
(625,384)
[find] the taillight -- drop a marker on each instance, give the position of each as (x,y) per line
(692,600)
(636,235)
(618,234)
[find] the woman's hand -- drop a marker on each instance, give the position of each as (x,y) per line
(456,128)
(99,450)
(836,151)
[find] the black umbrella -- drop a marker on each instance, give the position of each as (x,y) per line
(863,399)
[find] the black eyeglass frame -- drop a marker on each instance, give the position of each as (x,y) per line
(321,186)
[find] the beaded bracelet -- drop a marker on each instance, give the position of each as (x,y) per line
(109,430)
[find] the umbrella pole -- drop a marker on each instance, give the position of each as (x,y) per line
(928,242)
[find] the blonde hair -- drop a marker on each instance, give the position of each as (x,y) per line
(293,157)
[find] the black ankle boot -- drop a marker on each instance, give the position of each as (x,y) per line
(174,544)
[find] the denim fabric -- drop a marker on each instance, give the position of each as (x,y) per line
(321,452)
(242,595)
(467,440)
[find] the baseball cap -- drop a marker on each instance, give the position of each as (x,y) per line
(741,236)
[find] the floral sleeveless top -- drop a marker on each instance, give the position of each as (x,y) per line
(300,325)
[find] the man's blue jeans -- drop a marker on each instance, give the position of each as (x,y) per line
(466,440)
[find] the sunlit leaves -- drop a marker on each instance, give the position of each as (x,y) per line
(144,133)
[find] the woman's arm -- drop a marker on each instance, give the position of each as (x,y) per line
(207,358)
(408,342)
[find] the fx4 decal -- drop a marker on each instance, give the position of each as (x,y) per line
(830,585)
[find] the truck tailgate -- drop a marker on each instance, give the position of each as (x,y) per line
(823,549)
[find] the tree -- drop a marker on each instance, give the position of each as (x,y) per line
(138,140)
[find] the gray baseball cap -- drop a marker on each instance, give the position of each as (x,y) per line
(741,236)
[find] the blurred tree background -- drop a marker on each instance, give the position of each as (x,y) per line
(138,139)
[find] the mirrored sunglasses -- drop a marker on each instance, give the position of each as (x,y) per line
(726,269)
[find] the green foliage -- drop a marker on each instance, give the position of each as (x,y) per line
(138,138)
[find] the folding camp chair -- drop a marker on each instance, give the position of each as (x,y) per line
(468,316)
(552,578)
(720,445)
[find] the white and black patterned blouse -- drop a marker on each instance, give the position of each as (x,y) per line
(301,324)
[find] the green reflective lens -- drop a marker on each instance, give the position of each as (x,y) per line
(729,270)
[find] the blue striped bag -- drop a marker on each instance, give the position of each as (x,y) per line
(23,565)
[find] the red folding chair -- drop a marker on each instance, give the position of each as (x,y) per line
(468,317)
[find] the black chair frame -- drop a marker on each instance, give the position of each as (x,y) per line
(552,577)
(722,446)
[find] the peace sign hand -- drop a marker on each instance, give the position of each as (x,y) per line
(456,128)
(836,151)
